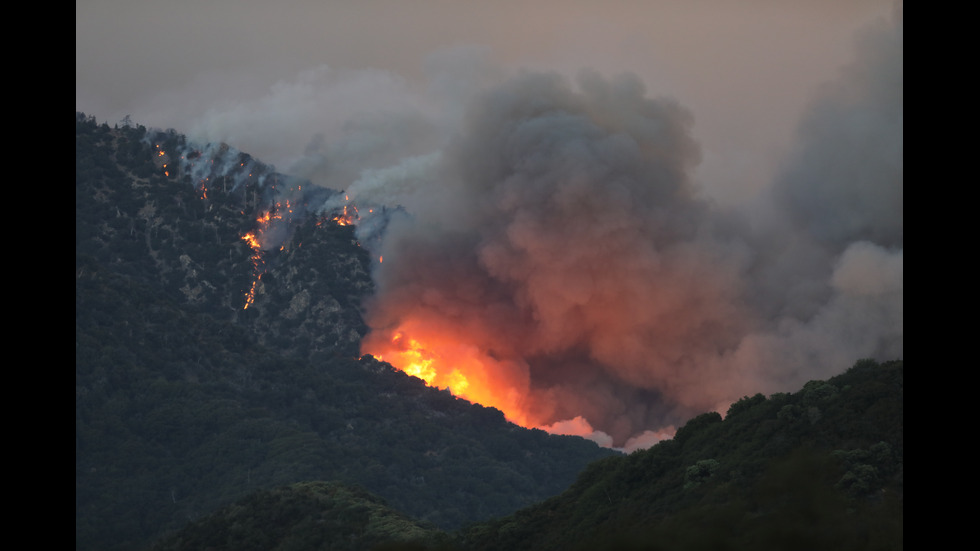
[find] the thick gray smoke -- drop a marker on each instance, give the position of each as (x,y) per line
(553,232)
(560,234)
(844,181)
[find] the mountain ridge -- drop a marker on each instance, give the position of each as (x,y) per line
(820,468)
(191,400)
(187,400)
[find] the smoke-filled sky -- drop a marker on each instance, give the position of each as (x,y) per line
(626,212)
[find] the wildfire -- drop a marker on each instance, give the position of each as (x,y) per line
(163,160)
(250,296)
(417,362)
(463,369)
(414,358)
(257,266)
(347,217)
(253,238)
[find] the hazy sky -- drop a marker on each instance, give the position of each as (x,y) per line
(745,69)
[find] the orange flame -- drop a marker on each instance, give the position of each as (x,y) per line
(444,363)
(250,296)
(257,263)
(253,239)
(347,218)
(164,161)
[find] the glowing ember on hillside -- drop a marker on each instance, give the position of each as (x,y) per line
(251,240)
(162,160)
(254,240)
(257,266)
(273,225)
(348,216)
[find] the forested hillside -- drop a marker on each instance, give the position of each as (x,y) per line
(221,403)
(821,468)
(818,469)
(188,396)
(307,515)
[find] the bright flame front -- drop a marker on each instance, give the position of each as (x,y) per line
(466,371)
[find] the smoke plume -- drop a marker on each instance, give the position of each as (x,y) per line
(548,249)
(557,251)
